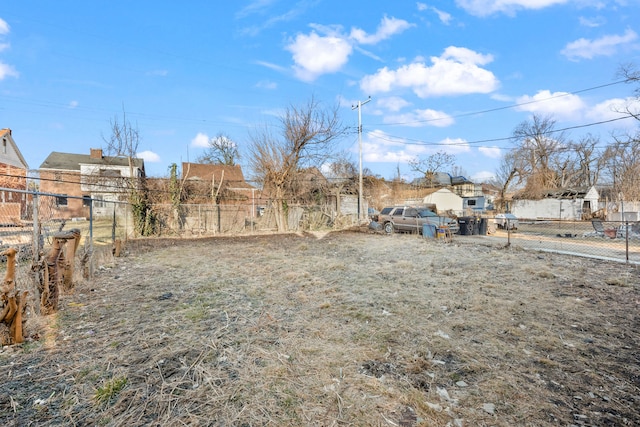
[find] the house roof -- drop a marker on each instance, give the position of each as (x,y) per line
(6,133)
(72,162)
(559,193)
(230,176)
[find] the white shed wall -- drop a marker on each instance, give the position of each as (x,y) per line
(566,209)
(445,200)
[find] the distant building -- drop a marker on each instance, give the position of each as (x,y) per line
(13,174)
(227,182)
(79,178)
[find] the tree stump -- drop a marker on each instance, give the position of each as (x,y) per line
(58,271)
(13,303)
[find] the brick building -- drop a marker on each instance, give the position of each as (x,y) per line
(76,179)
(13,174)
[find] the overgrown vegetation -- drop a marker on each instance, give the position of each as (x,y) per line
(343,328)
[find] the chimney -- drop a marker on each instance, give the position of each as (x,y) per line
(96,153)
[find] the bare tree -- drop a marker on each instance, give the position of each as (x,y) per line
(631,74)
(589,161)
(221,150)
(623,166)
(537,152)
(457,170)
(431,165)
(123,141)
(507,176)
(308,135)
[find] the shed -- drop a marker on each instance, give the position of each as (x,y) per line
(445,200)
(564,204)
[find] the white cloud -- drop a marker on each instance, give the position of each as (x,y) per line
(604,46)
(444,17)
(326,49)
(387,28)
(419,118)
(614,108)
(508,7)
(561,105)
(271,66)
(454,146)
(455,72)
(392,103)
(482,176)
(149,156)
(491,152)
(379,147)
(253,7)
(315,55)
(201,140)
(7,71)
(592,22)
(4,27)
(73,104)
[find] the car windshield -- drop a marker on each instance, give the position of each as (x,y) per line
(424,213)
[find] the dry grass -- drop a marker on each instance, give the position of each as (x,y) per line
(348,329)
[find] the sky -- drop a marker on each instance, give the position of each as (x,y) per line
(431,76)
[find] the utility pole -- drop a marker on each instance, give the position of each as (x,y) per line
(360,200)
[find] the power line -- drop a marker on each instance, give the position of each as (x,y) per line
(491,110)
(389,137)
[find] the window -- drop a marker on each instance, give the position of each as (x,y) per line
(86,200)
(398,212)
(61,201)
(57,176)
(411,213)
(98,201)
(4,145)
(471,202)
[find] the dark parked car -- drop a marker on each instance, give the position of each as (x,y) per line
(412,219)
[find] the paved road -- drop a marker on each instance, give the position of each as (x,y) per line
(592,247)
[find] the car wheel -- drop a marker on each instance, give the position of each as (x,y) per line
(388,228)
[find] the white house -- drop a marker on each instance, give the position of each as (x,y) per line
(563,204)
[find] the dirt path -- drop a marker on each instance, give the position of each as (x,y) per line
(347,329)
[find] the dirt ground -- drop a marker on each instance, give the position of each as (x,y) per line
(346,328)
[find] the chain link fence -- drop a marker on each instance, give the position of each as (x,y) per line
(609,240)
(30,223)
(34,220)
(211,219)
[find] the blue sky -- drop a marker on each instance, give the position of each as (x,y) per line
(455,76)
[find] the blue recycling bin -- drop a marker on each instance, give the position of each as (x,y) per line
(428,231)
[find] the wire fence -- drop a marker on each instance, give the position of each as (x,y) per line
(31,222)
(607,240)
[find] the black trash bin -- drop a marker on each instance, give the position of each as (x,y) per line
(476,225)
(483,225)
(466,225)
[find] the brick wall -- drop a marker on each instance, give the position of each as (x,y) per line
(12,204)
(62,182)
